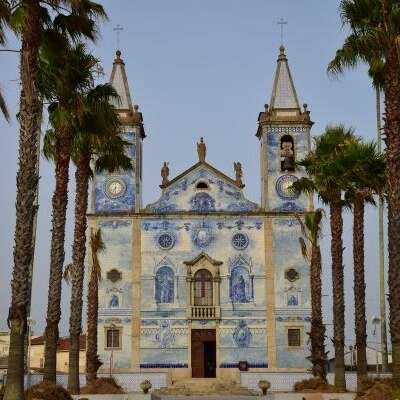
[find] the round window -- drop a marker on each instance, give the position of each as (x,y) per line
(166,241)
(240,241)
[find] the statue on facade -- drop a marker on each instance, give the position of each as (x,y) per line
(238,172)
(114,302)
(165,173)
(201,150)
(287,156)
(239,290)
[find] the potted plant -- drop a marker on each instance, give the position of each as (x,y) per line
(146,386)
(264,385)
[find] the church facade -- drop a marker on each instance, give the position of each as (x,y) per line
(204,281)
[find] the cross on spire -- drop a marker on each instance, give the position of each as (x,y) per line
(282,23)
(118,29)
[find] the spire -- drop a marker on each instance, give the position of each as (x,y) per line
(283,94)
(119,82)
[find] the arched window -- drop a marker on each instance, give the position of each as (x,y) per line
(240,286)
(203,288)
(164,282)
(202,185)
(287,153)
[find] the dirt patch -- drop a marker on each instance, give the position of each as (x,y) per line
(378,389)
(103,386)
(314,385)
(47,391)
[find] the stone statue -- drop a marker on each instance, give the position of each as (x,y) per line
(287,156)
(165,173)
(239,172)
(201,150)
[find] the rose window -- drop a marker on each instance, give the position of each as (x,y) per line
(240,241)
(166,241)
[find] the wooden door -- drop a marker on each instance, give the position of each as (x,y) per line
(203,353)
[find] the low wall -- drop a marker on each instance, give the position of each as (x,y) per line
(130,382)
(284,381)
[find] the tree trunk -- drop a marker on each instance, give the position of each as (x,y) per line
(27,181)
(359,292)
(57,255)
(392,130)
(92,359)
(338,290)
(82,175)
(317,334)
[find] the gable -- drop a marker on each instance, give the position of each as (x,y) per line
(202,189)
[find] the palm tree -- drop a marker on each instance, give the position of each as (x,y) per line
(311,231)
(67,90)
(4,21)
(365,177)
(374,35)
(99,138)
(325,179)
(92,359)
(29,20)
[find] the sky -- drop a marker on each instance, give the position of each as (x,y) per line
(204,68)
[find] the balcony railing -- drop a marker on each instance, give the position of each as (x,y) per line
(205,312)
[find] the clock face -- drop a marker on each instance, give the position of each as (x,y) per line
(115,187)
(283,185)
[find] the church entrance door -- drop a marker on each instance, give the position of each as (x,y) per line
(204,360)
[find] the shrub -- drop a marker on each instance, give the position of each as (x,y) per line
(102,386)
(47,391)
(315,385)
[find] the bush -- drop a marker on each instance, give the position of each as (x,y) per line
(102,386)
(315,385)
(378,389)
(47,391)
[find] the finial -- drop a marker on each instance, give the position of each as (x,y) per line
(118,53)
(282,49)
(136,107)
(305,106)
(266,107)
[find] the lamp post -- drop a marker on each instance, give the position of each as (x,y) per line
(28,358)
(376,321)
(112,326)
(382,297)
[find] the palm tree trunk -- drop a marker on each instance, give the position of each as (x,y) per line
(317,334)
(59,204)
(92,359)
(392,130)
(27,181)
(359,291)
(82,175)
(336,221)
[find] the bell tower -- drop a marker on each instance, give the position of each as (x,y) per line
(122,190)
(284,135)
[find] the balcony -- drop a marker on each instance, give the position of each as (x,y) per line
(204,312)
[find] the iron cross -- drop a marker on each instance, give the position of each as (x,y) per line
(118,29)
(282,22)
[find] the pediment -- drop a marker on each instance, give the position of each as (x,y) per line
(202,188)
(202,257)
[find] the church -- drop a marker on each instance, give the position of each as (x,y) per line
(204,282)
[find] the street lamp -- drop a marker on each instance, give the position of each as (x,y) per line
(112,326)
(31,322)
(375,322)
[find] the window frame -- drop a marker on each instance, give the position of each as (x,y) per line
(300,328)
(106,330)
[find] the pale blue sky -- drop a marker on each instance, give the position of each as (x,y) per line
(204,68)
